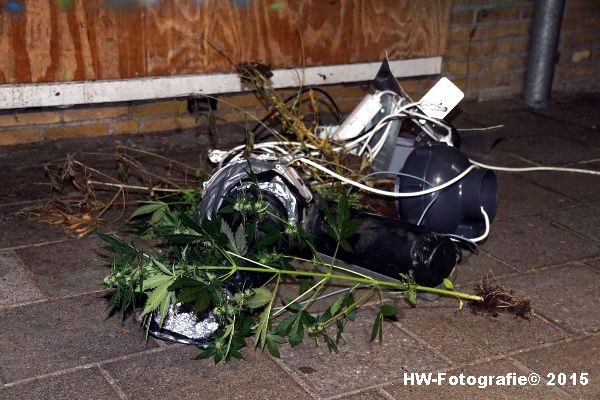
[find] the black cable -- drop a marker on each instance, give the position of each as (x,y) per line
(338,114)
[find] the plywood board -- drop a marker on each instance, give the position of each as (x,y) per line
(75,40)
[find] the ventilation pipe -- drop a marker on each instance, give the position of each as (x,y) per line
(543,41)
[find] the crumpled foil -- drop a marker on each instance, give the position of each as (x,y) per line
(183,325)
(283,185)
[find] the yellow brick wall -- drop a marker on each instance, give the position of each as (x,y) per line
(486,58)
(488,40)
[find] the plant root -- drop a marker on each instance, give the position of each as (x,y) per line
(496,299)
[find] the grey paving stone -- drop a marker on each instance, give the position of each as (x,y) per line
(476,266)
(595,264)
(53,336)
(584,219)
(464,336)
(24,184)
(491,107)
(529,242)
(578,187)
(580,111)
(544,149)
(175,374)
(500,367)
(359,363)
(517,197)
(581,356)
(368,395)
(552,293)
(85,384)
(15,286)
(67,268)
(18,231)
(36,154)
(520,123)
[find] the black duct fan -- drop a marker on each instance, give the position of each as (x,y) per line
(455,209)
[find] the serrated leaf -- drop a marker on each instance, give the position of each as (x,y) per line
(226,229)
(283,328)
(158,298)
(155,281)
(345,245)
(260,297)
(448,284)
(161,266)
(272,346)
(262,329)
(388,310)
(148,208)
(241,245)
(411,296)
(336,305)
(296,332)
(377,330)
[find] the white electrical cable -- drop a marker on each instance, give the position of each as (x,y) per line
(385,192)
(486,128)
(530,169)
(486,218)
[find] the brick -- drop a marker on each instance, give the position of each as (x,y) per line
(590,22)
(251,116)
(458,34)
(7,120)
(410,85)
(461,17)
(575,71)
(92,113)
(160,108)
(481,48)
(461,83)
(580,55)
(513,45)
(126,126)
(30,118)
(457,50)
(458,5)
(169,123)
(508,29)
(501,64)
(581,6)
(241,101)
(495,64)
(491,80)
(526,11)
(19,136)
(38,118)
(75,131)
(568,24)
(456,67)
(498,14)
(576,39)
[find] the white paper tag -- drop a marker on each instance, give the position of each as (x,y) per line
(441,99)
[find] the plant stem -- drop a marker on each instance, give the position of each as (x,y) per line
(368,281)
(132,187)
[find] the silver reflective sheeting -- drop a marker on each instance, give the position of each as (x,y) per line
(189,327)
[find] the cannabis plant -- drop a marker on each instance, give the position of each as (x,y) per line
(234,263)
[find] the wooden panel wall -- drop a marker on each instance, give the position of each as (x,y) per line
(66,40)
